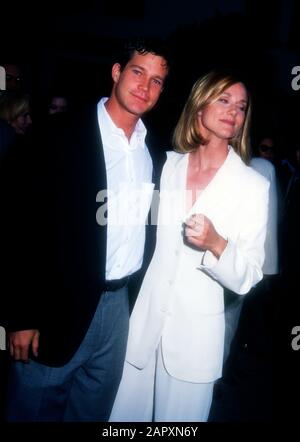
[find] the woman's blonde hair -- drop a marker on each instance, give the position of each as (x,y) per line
(207,89)
(12,105)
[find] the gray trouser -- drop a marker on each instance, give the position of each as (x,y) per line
(84,389)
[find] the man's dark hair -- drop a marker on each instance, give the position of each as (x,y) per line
(154,46)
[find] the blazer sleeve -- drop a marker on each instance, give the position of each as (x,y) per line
(239,267)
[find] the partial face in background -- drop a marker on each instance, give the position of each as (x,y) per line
(266,149)
(138,86)
(225,116)
(13,77)
(58,104)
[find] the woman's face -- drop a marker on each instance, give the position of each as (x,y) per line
(21,123)
(224,117)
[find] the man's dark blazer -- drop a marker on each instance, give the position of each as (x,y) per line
(55,250)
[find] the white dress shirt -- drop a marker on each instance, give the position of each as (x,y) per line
(129,191)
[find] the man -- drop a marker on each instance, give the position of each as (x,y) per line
(13,76)
(68,333)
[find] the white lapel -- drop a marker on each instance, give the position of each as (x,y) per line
(217,199)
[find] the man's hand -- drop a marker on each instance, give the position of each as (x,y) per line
(200,232)
(20,343)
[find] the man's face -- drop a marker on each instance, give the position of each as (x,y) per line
(13,80)
(138,87)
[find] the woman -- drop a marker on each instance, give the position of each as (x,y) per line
(15,110)
(176,338)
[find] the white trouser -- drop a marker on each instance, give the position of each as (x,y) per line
(151,394)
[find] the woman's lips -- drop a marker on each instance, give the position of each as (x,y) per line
(229,122)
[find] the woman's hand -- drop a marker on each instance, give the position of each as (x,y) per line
(199,231)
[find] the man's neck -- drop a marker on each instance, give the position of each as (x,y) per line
(122,119)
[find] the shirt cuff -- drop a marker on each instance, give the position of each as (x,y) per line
(209,260)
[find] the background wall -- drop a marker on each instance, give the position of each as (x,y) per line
(70,46)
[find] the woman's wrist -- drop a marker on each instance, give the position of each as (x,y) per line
(219,247)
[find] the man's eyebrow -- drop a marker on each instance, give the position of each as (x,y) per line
(136,66)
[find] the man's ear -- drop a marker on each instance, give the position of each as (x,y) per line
(115,72)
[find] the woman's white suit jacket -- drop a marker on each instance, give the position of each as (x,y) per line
(181,298)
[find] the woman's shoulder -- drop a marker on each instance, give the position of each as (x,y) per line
(171,154)
(174,157)
(263,167)
(257,175)
(173,160)
(173,164)
(248,174)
